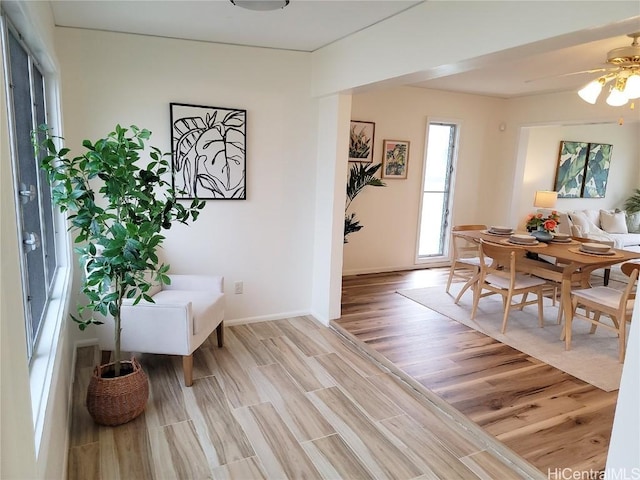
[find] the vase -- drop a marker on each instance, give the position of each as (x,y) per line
(542,235)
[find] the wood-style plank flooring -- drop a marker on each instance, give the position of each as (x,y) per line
(548,417)
(283,399)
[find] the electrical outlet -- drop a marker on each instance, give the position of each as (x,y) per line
(237,287)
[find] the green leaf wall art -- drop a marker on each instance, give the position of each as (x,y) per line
(598,162)
(583,169)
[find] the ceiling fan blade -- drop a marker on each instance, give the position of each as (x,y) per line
(582,72)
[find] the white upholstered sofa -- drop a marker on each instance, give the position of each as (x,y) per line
(184,314)
(602,225)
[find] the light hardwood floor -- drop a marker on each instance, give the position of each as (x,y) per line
(550,418)
(283,399)
(292,399)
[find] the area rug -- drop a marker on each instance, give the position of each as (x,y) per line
(592,358)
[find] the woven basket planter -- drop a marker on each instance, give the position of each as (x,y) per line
(117,400)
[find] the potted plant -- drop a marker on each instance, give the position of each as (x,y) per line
(360,176)
(118,204)
(632,207)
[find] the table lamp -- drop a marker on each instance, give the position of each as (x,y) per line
(545,199)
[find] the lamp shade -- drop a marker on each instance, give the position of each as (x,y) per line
(545,199)
(590,92)
(632,88)
(616,98)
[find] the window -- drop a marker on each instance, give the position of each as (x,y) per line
(26,110)
(442,140)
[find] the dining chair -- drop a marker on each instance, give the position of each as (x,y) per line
(501,276)
(601,300)
(577,281)
(465,263)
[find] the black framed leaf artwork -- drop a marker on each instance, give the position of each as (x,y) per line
(570,173)
(208,152)
(597,172)
(583,169)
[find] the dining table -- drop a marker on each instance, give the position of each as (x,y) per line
(571,267)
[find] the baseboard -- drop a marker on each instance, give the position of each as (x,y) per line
(264,318)
(422,266)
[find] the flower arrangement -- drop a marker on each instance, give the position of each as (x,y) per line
(540,222)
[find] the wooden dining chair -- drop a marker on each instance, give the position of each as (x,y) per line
(501,277)
(465,263)
(616,304)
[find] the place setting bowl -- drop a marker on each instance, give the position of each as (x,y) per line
(523,239)
(595,248)
(561,238)
(500,230)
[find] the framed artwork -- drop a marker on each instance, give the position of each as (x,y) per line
(570,171)
(597,172)
(395,158)
(361,141)
(208,152)
(583,169)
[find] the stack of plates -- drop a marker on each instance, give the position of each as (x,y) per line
(595,248)
(500,230)
(561,237)
(523,239)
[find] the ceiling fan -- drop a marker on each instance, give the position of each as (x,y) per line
(624,73)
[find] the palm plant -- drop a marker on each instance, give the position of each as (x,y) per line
(360,175)
(632,205)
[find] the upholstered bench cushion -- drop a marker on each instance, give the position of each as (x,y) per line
(204,305)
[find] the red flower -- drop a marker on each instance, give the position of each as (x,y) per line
(550,225)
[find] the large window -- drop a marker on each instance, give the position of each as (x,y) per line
(26,110)
(442,139)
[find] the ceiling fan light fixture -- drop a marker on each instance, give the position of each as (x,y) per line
(591,91)
(261,5)
(616,97)
(632,88)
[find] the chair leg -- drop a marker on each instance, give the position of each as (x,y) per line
(566,331)
(187,367)
(467,285)
(220,334)
(607,274)
(476,299)
(621,339)
(507,308)
(451,270)
(540,309)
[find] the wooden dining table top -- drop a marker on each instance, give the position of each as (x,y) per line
(567,252)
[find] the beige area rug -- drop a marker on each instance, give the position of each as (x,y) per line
(592,358)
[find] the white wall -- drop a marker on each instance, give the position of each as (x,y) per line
(265,241)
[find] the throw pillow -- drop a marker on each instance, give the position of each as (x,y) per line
(580,220)
(613,222)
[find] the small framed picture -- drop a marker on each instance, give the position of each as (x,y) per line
(361,141)
(395,158)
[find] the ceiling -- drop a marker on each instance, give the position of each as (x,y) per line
(307,25)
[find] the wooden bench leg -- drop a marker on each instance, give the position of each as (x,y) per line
(187,367)
(220,334)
